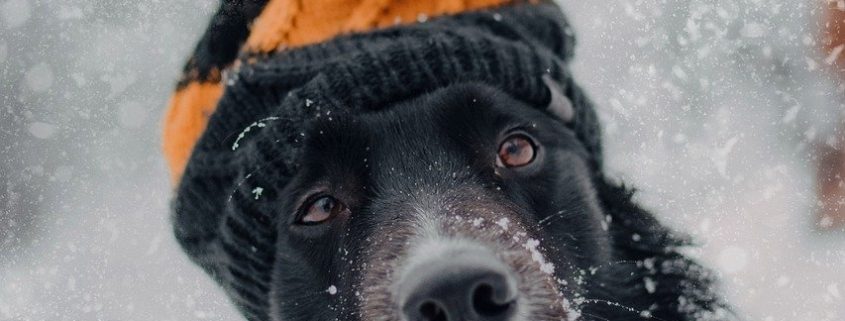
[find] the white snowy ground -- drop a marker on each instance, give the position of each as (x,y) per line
(709,109)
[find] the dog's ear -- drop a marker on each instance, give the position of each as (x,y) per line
(559,104)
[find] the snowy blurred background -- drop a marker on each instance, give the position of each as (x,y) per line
(711,108)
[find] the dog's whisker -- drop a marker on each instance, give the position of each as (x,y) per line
(594,316)
(613,264)
(642,314)
(551,218)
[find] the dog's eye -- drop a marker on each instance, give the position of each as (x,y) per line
(320,210)
(516,151)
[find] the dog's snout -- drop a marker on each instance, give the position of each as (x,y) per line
(465,287)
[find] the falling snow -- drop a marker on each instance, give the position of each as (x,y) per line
(711,109)
(650,285)
(42,130)
(15,13)
(132,114)
(40,77)
(257,192)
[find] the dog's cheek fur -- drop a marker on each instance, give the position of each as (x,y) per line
(299,281)
(567,212)
(649,270)
(315,278)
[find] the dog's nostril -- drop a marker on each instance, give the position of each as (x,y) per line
(431,311)
(485,303)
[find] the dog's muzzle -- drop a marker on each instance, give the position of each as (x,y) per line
(466,285)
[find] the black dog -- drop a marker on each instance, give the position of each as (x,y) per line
(463,183)
(466,204)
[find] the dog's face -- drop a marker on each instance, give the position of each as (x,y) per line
(463,204)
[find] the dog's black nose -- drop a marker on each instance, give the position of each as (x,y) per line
(466,287)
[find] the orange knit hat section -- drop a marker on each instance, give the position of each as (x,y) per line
(185,120)
(292,23)
(285,24)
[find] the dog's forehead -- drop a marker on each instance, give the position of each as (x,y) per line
(415,147)
(432,137)
(430,140)
(454,110)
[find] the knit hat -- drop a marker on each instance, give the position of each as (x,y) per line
(251,146)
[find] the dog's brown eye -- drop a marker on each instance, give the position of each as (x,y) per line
(515,151)
(320,210)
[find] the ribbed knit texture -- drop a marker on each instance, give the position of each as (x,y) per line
(230,230)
